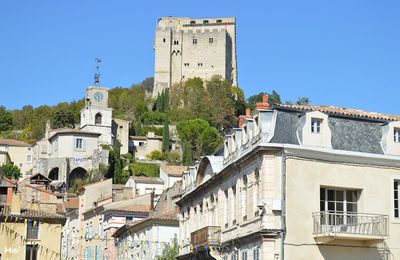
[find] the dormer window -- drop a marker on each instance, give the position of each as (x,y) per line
(396,135)
(316,125)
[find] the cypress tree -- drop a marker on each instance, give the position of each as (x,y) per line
(165,139)
(187,157)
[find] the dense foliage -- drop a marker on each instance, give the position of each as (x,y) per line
(10,170)
(201,110)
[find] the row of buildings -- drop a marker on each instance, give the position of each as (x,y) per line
(103,221)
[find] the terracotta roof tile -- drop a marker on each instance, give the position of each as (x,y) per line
(145,179)
(349,112)
(72,203)
(173,170)
(12,142)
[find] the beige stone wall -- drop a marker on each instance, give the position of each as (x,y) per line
(12,248)
(177,57)
(21,156)
(304,179)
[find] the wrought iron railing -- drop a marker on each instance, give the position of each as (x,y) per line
(326,222)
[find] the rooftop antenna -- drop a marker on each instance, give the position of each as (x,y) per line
(97,74)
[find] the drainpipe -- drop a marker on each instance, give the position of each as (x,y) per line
(283,204)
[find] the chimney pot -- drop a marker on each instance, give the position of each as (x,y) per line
(265,99)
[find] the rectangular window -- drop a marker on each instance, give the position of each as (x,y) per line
(29,158)
(32,230)
(256,254)
(210,40)
(316,125)
(226,208)
(244,255)
(31,252)
(336,200)
(396,198)
(396,135)
(194,41)
(97,254)
(78,143)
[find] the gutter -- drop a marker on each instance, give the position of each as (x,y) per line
(283,204)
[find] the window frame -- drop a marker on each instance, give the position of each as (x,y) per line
(396,188)
(77,142)
(396,135)
(32,230)
(316,125)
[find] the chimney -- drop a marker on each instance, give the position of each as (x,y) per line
(243,117)
(264,105)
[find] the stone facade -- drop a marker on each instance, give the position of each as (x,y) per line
(187,48)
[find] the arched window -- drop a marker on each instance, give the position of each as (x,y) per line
(98,119)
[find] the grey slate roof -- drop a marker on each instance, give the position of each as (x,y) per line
(285,128)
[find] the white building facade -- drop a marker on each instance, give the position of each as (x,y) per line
(298,182)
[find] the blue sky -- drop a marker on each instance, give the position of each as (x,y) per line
(342,53)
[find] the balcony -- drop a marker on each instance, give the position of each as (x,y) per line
(370,229)
(208,235)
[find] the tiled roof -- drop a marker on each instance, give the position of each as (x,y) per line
(72,203)
(346,112)
(135,208)
(118,186)
(173,170)
(71,131)
(145,179)
(12,142)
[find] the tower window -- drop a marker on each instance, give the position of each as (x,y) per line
(192,22)
(205,21)
(210,40)
(176,42)
(194,41)
(98,119)
(163,40)
(219,21)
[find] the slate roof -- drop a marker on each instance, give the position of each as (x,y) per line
(340,111)
(352,129)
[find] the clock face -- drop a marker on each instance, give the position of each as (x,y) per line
(98,96)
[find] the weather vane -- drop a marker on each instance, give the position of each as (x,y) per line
(97,74)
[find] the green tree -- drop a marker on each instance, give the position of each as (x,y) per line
(63,118)
(197,134)
(165,139)
(118,174)
(10,171)
(303,101)
(157,155)
(187,157)
(170,251)
(6,122)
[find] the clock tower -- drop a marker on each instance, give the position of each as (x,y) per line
(96,116)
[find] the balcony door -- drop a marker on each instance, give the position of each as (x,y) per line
(338,207)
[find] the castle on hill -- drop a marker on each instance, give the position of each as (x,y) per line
(186,48)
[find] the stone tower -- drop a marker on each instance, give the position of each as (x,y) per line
(96,116)
(186,48)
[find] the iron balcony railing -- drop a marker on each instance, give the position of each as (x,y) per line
(328,222)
